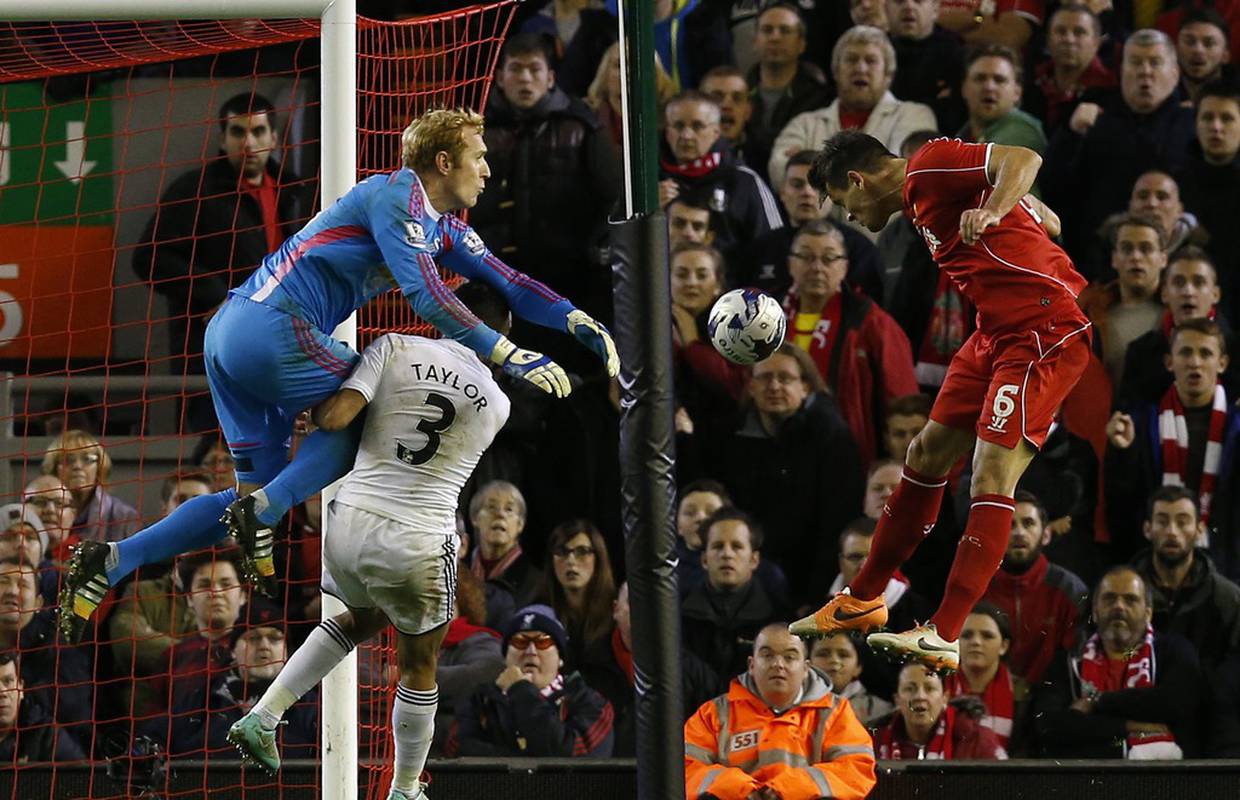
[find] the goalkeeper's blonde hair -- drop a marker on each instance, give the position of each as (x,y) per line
(442,129)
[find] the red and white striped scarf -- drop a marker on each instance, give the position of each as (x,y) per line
(893,740)
(1140,672)
(1173,433)
(998,697)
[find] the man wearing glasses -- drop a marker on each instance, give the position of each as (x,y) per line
(859,349)
(533,708)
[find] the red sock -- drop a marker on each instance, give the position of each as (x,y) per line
(977,557)
(907,518)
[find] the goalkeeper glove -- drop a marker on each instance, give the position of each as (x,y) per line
(594,335)
(531,366)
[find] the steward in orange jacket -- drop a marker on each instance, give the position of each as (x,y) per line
(778,727)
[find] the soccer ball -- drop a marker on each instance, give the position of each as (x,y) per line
(746,325)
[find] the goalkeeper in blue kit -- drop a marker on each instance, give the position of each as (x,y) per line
(269,352)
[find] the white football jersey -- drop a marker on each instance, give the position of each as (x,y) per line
(433,408)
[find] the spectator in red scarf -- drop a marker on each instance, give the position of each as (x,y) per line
(1189,289)
(1073,70)
(1043,601)
(696,160)
(857,347)
(985,640)
(497,513)
(927,727)
(842,657)
(1186,438)
(1128,692)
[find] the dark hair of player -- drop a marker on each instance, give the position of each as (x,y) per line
(1171,494)
(844,152)
(246,103)
(1204,326)
(486,303)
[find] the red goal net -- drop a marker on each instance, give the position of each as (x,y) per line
(127,210)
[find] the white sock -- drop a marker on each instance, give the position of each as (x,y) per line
(413,725)
(325,647)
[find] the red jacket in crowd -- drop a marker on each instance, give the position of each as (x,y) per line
(1044,604)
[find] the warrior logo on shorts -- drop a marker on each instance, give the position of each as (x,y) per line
(1003,407)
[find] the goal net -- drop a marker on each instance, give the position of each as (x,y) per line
(127,210)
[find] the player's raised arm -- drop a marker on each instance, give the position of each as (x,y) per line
(1011,171)
(338,411)
(529,299)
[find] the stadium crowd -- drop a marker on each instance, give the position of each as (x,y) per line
(1113,627)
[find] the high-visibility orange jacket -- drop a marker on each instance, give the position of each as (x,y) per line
(737,744)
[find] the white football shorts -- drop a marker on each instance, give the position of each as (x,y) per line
(372,561)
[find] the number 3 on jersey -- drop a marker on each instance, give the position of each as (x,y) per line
(431,429)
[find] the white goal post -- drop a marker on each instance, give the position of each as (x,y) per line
(338,172)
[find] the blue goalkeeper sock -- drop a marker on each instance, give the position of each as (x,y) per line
(194,524)
(324,456)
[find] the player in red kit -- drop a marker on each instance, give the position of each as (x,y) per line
(971,204)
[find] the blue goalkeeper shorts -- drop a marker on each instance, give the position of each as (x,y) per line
(265,367)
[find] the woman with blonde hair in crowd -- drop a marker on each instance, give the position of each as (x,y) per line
(81,463)
(604,93)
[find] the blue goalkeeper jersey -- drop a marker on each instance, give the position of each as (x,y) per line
(384,234)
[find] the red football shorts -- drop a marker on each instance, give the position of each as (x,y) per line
(1010,386)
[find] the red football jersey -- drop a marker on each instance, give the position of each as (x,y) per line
(1015,276)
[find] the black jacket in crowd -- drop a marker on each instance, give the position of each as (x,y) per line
(1205,610)
(206,237)
(1088,178)
(1146,377)
(803,485)
(929,71)
(720,627)
(743,206)
(58,677)
(554,177)
(573,721)
(201,716)
(1173,700)
(808,91)
(1212,194)
(37,739)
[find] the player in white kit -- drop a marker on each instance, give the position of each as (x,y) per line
(390,554)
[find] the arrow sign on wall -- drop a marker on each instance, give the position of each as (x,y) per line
(75,167)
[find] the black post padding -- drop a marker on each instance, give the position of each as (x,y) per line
(643,304)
